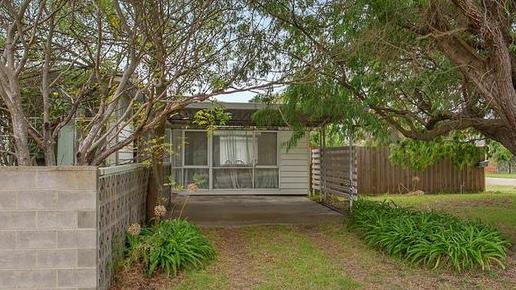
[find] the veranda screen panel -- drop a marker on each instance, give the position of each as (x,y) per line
(196,148)
(176,157)
(233,159)
(233,149)
(267,153)
(266,178)
(227,159)
(199,176)
(196,168)
(232,178)
(245,159)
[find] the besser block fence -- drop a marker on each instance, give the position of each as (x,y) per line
(64,227)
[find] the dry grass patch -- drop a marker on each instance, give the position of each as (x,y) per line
(287,259)
(133,278)
(235,258)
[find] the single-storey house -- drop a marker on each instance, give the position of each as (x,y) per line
(239,157)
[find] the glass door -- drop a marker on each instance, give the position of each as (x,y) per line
(266,171)
(233,159)
(196,169)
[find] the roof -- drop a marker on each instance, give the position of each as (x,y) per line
(230,105)
(241,113)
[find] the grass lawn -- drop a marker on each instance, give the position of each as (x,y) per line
(320,257)
(501,175)
(332,256)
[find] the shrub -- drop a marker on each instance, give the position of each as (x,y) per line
(430,238)
(170,245)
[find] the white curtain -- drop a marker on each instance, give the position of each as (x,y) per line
(235,153)
(266,178)
(236,150)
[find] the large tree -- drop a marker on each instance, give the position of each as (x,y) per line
(120,67)
(426,67)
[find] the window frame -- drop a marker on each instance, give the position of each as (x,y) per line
(211,167)
(184,150)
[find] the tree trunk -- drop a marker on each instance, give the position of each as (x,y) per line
(50,156)
(20,134)
(156,178)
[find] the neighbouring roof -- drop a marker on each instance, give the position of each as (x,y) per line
(241,113)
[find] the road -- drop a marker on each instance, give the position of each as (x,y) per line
(501,181)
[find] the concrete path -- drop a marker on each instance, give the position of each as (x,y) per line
(229,211)
(501,181)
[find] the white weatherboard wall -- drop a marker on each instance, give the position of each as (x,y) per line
(294,165)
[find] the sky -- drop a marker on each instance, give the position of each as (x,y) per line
(244,97)
(239,97)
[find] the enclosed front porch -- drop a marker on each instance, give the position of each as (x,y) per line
(238,158)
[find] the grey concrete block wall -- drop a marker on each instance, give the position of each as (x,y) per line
(121,200)
(46,227)
(61,227)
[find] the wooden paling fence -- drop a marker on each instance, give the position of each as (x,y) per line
(375,175)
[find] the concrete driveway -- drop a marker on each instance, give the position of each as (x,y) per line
(501,181)
(229,211)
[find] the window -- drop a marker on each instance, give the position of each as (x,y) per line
(232,178)
(196,159)
(196,148)
(233,149)
(199,176)
(228,159)
(266,178)
(267,148)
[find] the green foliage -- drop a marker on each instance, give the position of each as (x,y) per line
(217,82)
(263,99)
(323,102)
(334,136)
(171,246)
(498,152)
(368,65)
(422,154)
(267,117)
(200,180)
(212,117)
(430,238)
(108,8)
(154,149)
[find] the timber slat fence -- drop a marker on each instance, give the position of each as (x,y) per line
(374,174)
(335,171)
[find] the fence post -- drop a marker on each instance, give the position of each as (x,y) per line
(350,150)
(310,187)
(322,147)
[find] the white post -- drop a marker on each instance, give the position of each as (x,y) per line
(320,164)
(351,169)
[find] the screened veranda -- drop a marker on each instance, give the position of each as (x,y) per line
(226,159)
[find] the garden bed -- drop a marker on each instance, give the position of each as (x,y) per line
(430,238)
